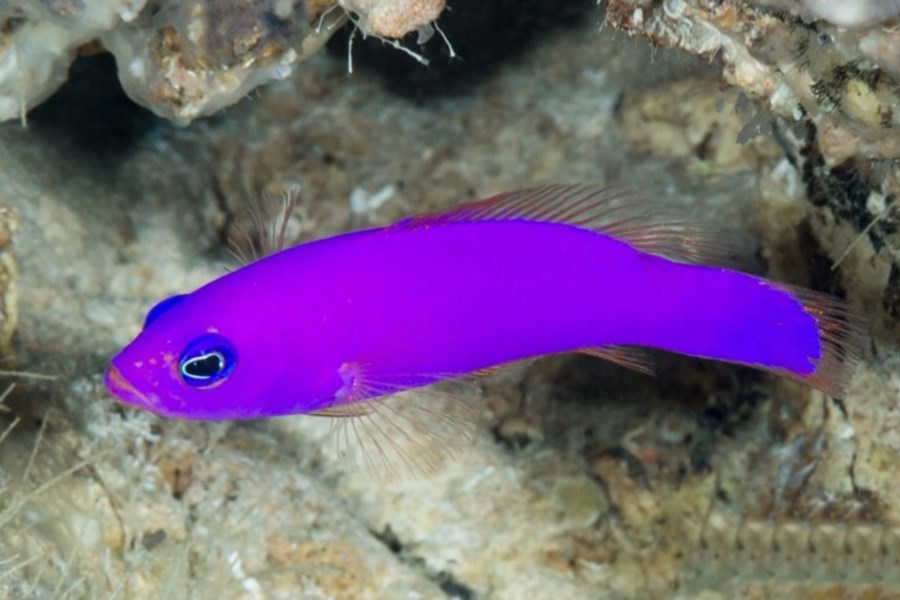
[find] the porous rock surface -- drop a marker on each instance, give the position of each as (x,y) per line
(583,480)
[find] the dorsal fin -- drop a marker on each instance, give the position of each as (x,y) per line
(614,211)
(268,229)
(629,357)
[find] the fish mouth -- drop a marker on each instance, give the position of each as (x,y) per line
(124,390)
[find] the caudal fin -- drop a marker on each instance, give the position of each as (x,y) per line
(841,332)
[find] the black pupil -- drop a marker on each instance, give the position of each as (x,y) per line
(204,366)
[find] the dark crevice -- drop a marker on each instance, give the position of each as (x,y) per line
(448,583)
(818,264)
(389,539)
(844,189)
(891,296)
(454,588)
(91,114)
(484,35)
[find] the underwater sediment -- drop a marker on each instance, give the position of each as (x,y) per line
(776,121)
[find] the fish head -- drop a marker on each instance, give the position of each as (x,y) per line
(197,360)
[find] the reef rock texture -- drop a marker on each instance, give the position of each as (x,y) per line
(183,60)
(815,73)
(9,272)
(583,480)
(180,59)
(826,76)
(39,40)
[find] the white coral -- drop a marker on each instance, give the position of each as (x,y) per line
(166,52)
(853,13)
(39,42)
(393,19)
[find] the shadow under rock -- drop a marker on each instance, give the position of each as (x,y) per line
(484,35)
(90,113)
(690,407)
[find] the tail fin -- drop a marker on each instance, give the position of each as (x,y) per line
(841,333)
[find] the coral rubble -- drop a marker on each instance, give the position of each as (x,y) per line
(583,480)
(183,60)
(180,59)
(829,82)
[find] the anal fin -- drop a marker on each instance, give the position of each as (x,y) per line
(348,410)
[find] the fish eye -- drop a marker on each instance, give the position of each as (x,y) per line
(207,361)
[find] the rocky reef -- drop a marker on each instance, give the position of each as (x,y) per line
(182,60)
(825,74)
(775,120)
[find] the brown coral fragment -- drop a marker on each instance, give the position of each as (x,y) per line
(799,71)
(691,120)
(831,100)
(191,59)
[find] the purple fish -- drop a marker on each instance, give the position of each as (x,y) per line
(326,326)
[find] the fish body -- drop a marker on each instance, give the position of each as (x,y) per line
(345,319)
